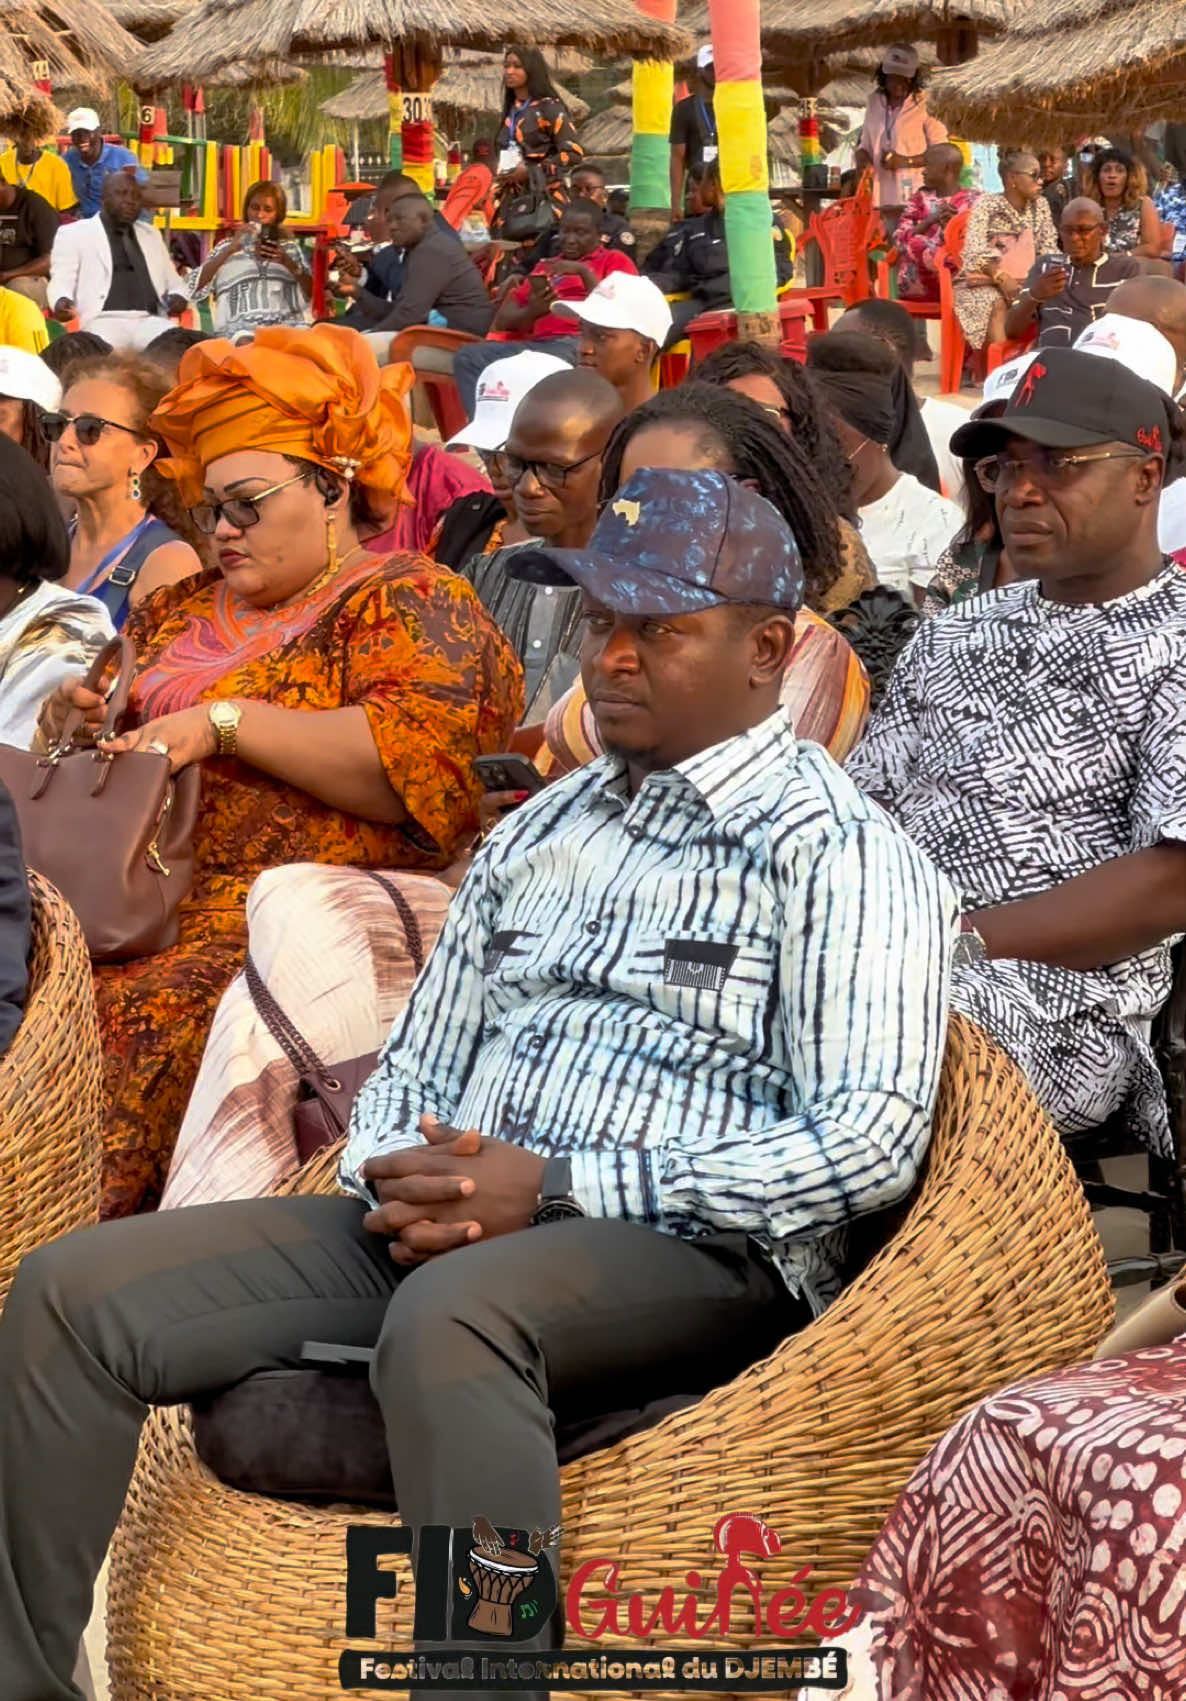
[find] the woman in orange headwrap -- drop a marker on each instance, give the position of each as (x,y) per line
(335,697)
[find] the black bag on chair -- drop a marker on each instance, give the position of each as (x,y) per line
(529,216)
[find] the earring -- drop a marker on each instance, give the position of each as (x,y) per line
(331,544)
(134,486)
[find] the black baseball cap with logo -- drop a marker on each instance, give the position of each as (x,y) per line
(1071,400)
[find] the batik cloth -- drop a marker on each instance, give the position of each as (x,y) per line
(1037,1553)
(1024,741)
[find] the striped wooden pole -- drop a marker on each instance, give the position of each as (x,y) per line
(745,173)
(650,153)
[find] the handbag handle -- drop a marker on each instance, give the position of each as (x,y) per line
(117,703)
(287,1035)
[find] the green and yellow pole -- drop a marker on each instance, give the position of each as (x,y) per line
(650,151)
(745,172)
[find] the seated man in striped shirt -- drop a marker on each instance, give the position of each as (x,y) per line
(684,1023)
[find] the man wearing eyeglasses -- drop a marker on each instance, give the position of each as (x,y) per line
(1033,741)
(1065,293)
(552,465)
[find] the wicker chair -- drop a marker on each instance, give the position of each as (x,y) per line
(50,1092)
(995,1273)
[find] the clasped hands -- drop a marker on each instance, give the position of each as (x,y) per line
(460,1186)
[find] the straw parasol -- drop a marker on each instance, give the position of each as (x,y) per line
(475,87)
(801,31)
(149,20)
(1071,66)
(76,43)
(219,32)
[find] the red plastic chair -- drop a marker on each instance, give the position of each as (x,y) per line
(710,330)
(952,344)
(997,354)
(848,235)
(439,387)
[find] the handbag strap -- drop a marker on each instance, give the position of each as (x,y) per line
(283,1030)
(118,647)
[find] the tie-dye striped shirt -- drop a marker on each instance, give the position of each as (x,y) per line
(724,998)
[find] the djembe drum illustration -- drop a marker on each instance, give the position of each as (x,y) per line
(500,1581)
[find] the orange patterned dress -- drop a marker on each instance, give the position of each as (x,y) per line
(403,638)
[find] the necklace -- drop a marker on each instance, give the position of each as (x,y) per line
(22,591)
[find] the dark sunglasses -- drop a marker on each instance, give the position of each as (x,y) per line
(88,427)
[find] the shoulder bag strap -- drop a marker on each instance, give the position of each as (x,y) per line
(287,1035)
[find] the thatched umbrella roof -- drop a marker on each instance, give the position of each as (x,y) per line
(79,40)
(219,32)
(1067,69)
(149,20)
(797,31)
(470,87)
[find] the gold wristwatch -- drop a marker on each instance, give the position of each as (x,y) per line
(225,718)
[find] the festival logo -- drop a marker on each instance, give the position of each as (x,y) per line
(505,1581)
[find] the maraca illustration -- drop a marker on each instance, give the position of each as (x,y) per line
(501,1575)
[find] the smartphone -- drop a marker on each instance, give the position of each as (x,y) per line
(508,771)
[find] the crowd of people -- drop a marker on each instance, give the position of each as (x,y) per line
(632,785)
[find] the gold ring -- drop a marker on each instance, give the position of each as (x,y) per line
(161,749)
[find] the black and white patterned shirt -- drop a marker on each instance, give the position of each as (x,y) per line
(725,998)
(1022,742)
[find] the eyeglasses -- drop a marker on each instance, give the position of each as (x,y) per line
(1034,176)
(242,512)
(1053,468)
(88,427)
(552,473)
(779,413)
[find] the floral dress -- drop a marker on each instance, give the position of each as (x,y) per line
(400,637)
(1124,230)
(996,229)
(919,243)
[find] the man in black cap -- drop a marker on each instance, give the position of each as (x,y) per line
(1033,740)
(673,1039)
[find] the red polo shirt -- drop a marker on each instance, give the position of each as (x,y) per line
(601,263)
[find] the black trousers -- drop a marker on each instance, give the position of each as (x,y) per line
(575,1318)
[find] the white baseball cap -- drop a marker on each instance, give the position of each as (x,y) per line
(26,378)
(999,385)
(624,302)
(1135,344)
(83,118)
(501,388)
(704,56)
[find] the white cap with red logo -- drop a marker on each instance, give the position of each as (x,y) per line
(501,388)
(624,302)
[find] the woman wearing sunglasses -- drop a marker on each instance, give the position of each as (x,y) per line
(336,697)
(128,533)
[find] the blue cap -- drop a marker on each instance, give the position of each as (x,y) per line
(675,543)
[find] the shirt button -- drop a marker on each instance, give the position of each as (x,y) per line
(592,927)
(537,644)
(536,1042)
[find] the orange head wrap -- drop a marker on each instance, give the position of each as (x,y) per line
(315,394)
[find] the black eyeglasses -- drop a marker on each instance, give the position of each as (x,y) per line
(242,512)
(552,473)
(88,427)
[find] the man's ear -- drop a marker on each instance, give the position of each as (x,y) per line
(773,639)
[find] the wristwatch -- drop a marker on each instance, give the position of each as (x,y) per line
(225,718)
(969,946)
(555,1202)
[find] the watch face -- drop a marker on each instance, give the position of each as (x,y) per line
(557,1211)
(968,949)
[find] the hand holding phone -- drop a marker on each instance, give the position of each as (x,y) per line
(508,771)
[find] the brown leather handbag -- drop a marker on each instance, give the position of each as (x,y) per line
(327,1092)
(114,833)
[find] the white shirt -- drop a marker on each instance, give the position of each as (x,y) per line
(707,995)
(50,633)
(906,531)
(1171,517)
(942,420)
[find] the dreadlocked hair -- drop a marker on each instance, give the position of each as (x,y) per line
(735,437)
(806,422)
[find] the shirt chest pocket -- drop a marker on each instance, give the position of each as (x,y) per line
(724,985)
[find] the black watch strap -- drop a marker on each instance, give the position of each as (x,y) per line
(555,1201)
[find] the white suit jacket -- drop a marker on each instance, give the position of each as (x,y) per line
(81,268)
